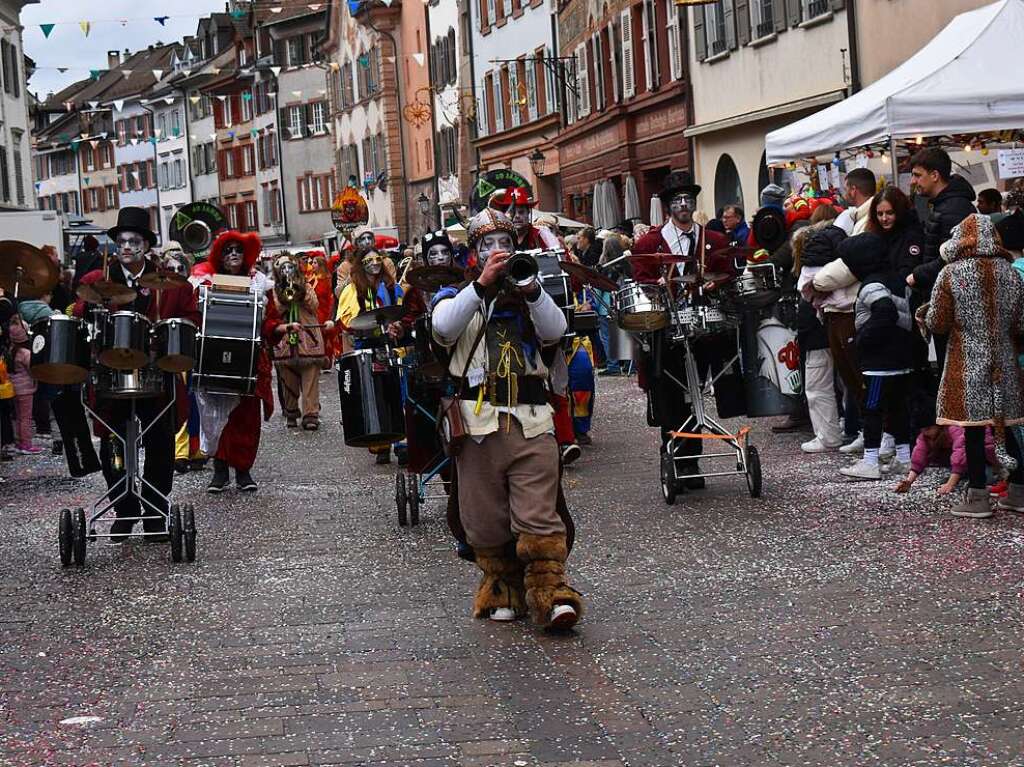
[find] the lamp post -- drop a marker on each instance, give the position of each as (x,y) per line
(424,205)
(537,162)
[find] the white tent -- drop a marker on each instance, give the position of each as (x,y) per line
(966,80)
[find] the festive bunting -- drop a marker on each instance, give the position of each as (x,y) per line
(297,94)
(86,180)
(95,73)
(127,72)
(168,100)
(62,70)
(85,26)
(47,29)
(315,6)
(237,13)
(118,104)
(418,58)
(276,70)
(247,96)
(135,142)
(93,104)
(195,99)
(161,20)
(353,7)
(277,9)
(158,73)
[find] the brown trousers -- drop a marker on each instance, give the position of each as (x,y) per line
(841,330)
(300,381)
(508,485)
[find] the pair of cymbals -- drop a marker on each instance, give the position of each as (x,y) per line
(374,318)
(588,276)
(116,294)
(26,270)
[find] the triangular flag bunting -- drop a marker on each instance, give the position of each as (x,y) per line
(161,20)
(135,142)
(278,9)
(386,2)
(253,132)
(158,73)
(104,135)
(118,104)
(95,143)
(62,70)
(195,99)
(315,7)
(85,27)
(168,99)
(353,7)
(86,180)
(47,29)
(213,135)
(222,98)
(95,73)
(418,58)
(214,70)
(247,96)
(93,104)
(237,13)
(276,71)
(127,72)
(297,94)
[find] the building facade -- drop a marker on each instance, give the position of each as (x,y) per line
(517,92)
(416,101)
(16,191)
(171,138)
(628,104)
(758,65)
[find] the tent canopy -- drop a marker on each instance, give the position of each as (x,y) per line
(966,80)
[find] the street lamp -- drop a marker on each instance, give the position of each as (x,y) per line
(537,162)
(424,202)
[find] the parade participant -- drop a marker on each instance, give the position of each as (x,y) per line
(682,236)
(363,241)
(372,286)
(502,338)
(134,240)
(437,251)
(293,328)
(317,271)
(517,204)
(230,423)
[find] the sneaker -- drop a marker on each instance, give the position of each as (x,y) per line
(220,478)
(584,439)
(888,447)
(861,470)
(998,490)
(852,448)
(245,482)
(976,505)
(817,446)
(606,372)
(28,450)
(563,617)
(570,453)
(896,467)
(502,614)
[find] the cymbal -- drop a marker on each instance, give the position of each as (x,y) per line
(716,276)
(686,279)
(375,317)
(735,251)
(163,280)
(29,267)
(106,292)
(432,278)
(588,276)
(661,259)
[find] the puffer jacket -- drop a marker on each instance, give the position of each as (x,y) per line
(817,246)
(905,246)
(951,206)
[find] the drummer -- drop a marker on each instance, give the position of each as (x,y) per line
(134,240)
(681,236)
(372,287)
(230,423)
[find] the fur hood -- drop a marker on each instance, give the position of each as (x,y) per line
(251,246)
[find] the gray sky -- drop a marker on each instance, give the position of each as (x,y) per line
(68,47)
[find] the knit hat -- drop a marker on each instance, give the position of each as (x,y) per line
(973,237)
(773,194)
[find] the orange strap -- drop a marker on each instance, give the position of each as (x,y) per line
(741,434)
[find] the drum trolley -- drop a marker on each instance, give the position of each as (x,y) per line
(75,529)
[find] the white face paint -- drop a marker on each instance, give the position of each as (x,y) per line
(682,206)
(373,264)
(288,271)
(365,241)
(131,248)
(232,258)
(522,217)
(492,243)
(439,255)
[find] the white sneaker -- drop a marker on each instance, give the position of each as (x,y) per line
(861,470)
(888,447)
(563,617)
(817,446)
(503,614)
(856,446)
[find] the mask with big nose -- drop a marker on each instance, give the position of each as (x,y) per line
(131,248)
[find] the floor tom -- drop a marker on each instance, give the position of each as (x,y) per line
(124,341)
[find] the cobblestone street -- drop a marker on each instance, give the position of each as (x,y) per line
(825,624)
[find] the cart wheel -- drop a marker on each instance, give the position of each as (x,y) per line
(753,472)
(188,531)
(79,536)
(174,532)
(668,480)
(414,499)
(65,537)
(401,499)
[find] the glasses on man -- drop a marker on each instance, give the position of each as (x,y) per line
(130,241)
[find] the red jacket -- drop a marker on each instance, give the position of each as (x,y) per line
(646,271)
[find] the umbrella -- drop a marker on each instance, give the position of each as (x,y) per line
(562,221)
(632,206)
(612,205)
(657,214)
(597,214)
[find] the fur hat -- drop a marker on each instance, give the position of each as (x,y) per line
(974,237)
(486,222)
(250,242)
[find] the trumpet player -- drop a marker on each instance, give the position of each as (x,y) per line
(296,336)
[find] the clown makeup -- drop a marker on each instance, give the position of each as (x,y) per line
(131,248)
(174,261)
(233,258)
(288,270)
(493,242)
(439,255)
(372,264)
(681,207)
(521,216)
(365,241)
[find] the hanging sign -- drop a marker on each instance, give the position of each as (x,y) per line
(1011,163)
(495,181)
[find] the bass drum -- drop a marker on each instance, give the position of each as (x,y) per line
(371,401)
(60,350)
(771,368)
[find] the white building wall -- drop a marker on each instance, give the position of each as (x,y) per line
(14,126)
(448,99)
(205,186)
(131,153)
(173,164)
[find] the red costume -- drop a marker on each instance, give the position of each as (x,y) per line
(649,271)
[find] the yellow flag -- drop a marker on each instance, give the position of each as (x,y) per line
(86,26)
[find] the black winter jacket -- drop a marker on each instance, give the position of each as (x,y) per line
(951,206)
(905,247)
(822,247)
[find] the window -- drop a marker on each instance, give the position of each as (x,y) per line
(582,80)
(111,196)
(506,8)
(347,97)
(676,45)
(811,8)
(651,67)
(728,190)
(19,173)
(531,88)
(5,181)
(319,111)
(486,109)
(271,206)
(497,103)
(163,175)
(179,174)
(714,28)
(295,118)
(229,164)
(762,18)
(350,165)
(251,216)
(246,106)
(296,51)
(598,59)
(448,152)
(248,160)
(379,158)
(549,83)
(515,98)
(9,64)
(233,215)
(492,12)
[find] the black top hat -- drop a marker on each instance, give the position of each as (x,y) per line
(133,220)
(769,228)
(678,182)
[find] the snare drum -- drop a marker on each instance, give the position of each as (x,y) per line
(127,384)
(641,308)
(174,341)
(756,287)
(124,341)
(698,321)
(371,400)
(229,341)
(60,350)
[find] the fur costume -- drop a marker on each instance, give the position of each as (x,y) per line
(501,581)
(544,575)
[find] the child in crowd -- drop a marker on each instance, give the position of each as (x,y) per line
(18,361)
(944,446)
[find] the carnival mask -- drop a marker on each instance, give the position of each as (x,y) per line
(289,271)
(522,216)
(493,242)
(233,258)
(365,241)
(439,255)
(131,248)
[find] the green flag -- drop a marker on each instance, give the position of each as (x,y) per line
(47,29)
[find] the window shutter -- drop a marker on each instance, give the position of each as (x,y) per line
(837,5)
(730,24)
(645,30)
(793,12)
(675,49)
(499,110)
(628,78)
(513,94)
(614,45)
(492,12)
(779,15)
(531,88)
(743,33)
(583,79)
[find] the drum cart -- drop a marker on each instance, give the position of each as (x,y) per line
(75,530)
(691,322)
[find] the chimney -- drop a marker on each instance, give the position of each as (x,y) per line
(113,59)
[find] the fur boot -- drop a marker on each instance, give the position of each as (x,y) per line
(502,581)
(544,556)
